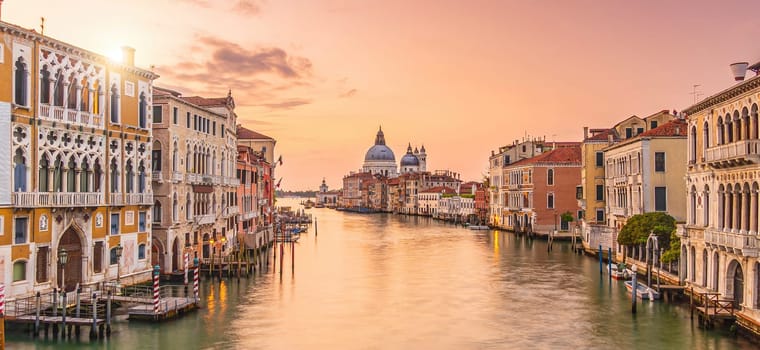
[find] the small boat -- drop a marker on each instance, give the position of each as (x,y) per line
(642,291)
(620,272)
(478,227)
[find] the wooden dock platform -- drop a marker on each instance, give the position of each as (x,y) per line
(169,308)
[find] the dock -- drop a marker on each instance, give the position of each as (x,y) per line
(169,308)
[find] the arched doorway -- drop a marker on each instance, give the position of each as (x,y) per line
(735,281)
(175,254)
(73,244)
(156,253)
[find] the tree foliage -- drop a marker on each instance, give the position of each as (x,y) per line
(674,251)
(567,216)
(638,227)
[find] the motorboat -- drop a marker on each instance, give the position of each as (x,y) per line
(620,272)
(642,291)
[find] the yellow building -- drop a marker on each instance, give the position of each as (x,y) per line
(719,242)
(591,193)
(78,131)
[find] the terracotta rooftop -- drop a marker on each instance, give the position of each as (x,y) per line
(559,155)
(604,135)
(244,133)
(675,127)
(206,102)
(440,189)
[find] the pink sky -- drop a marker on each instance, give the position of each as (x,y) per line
(462,77)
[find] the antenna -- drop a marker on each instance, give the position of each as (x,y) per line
(42,26)
(695,92)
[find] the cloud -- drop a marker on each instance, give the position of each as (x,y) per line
(349,93)
(261,74)
(247,7)
(242,7)
(201,3)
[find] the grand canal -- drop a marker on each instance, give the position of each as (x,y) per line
(384,281)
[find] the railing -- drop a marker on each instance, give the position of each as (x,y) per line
(620,180)
(619,211)
(57,199)
(205,219)
(191,178)
(71,116)
(177,177)
(139,198)
(234,181)
(744,244)
(117,199)
(249,215)
(207,179)
(714,305)
(158,176)
(733,151)
(229,211)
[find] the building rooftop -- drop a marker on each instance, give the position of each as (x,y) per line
(244,133)
(568,155)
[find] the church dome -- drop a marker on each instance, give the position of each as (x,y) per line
(379,151)
(409,159)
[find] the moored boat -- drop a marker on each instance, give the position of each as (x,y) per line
(642,291)
(620,272)
(478,227)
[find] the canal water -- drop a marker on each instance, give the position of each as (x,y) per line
(394,282)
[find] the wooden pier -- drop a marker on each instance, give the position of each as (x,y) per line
(169,308)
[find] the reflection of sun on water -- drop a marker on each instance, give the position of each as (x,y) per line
(496,243)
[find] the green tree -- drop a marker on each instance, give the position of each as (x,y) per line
(638,227)
(674,251)
(567,217)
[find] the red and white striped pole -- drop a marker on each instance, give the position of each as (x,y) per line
(196,280)
(2,299)
(187,265)
(156,294)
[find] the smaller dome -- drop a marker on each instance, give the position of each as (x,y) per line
(409,159)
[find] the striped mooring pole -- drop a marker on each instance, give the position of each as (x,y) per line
(187,265)
(196,280)
(156,294)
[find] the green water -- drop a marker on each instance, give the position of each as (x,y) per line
(394,282)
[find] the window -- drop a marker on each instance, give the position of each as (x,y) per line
(156,157)
(141,252)
(19,271)
(578,192)
(628,132)
(97,257)
(188,120)
(550,201)
(19,171)
(142,115)
(600,192)
(600,215)
(42,264)
(659,161)
(21,83)
(652,124)
(564,225)
(20,230)
(660,199)
(114,104)
(157,212)
(580,215)
(158,114)
(639,131)
(141,217)
(114,223)
(550,177)
(175,116)
(599,159)
(213,128)
(113,258)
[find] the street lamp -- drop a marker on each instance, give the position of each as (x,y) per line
(119,250)
(63,258)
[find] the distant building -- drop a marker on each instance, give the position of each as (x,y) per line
(326,197)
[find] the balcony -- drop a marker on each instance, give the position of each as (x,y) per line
(234,181)
(70,116)
(249,215)
(57,199)
(619,211)
(177,177)
(158,176)
(139,198)
(117,199)
(620,180)
(205,219)
(192,178)
(230,211)
(737,243)
(734,154)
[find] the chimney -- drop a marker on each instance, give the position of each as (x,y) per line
(609,138)
(127,56)
(585,132)
(739,69)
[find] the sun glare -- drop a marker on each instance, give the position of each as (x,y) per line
(115,55)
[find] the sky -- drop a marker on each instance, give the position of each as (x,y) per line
(460,77)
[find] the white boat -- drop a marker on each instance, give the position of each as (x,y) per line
(620,272)
(478,227)
(642,291)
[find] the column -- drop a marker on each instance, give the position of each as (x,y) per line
(720,209)
(727,211)
(737,212)
(745,211)
(79,103)
(753,212)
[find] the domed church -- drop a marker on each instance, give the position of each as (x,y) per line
(381,160)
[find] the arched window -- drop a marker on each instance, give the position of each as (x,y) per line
(143,112)
(693,205)
(550,177)
(719,139)
(114,176)
(58,175)
(156,156)
(175,209)
(84,100)
(97,172)
(45,85)
(706,207)
(175,155)
(141,178)
(157,212)
(114,104)
(729,129)
(188,208)
(59,86)
(706,141)
(141,251)
(19,171)
(73,93)
(188,157)
(130,177)
(44,173)
(693,145)
(71,175)
(21,84)
(704,267)
(84,179)
(19,271)
(738,122)
(745,120)
(97,99)
(755,130)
